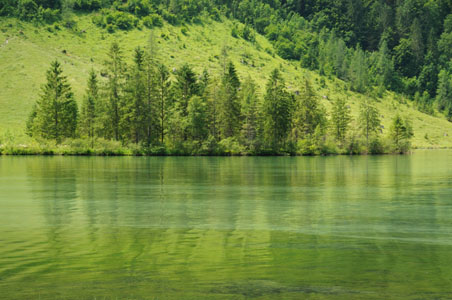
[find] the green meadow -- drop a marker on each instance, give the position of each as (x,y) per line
(26,51)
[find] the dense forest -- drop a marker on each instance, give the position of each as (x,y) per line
(373,45)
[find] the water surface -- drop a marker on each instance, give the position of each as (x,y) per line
(226,228)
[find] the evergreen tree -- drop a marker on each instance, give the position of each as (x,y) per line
(277,112)
(186,86)
(163,86)
(309,113)
(151,98)
(90,110)
(56,110)
(341,118)
(358,71)
(197,116)
(250,112)
(132,108)
(369,120)
(444,91)
(115,86)
(401,132)
(229,110)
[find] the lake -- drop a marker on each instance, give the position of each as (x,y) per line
(364,227)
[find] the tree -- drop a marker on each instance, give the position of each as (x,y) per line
(309,113)
(358,71)
(163,86)
(115,84)
(229,110)
(277,112)
(250,113)
(186,86)
(444,91)
(151,96)
(401,133)
(133,110)
(369,120)
(341,118)
(56,110)
(89,111)
(197,116)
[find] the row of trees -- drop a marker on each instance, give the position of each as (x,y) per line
(146,105)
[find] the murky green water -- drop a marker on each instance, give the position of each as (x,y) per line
(226,228)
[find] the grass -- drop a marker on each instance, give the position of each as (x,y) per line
(29,51)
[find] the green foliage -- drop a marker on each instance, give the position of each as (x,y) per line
(369,121)
(340,119)
(153,20)
(55,115)
(197,118)
(310,115)
(277,112)
(229,105)
(89,117)
(401,133)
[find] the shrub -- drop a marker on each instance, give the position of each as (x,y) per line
(153,20)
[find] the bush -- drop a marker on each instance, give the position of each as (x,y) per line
(87,5)
(49,15)
(170,18)
(231,146)
(153,20)
(234,32)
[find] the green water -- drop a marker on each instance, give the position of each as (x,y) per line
(226,228)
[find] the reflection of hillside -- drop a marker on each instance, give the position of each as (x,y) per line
(130,227)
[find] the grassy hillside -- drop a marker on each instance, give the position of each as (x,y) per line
(26,56)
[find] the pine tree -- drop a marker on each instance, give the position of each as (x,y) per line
(229,110)
(132,108)
(90,110)
(163,86)
(56,110)
(401,133)
(151,98)
(250,113)
(197,116)
(186,86)
(444,91)
(369,120)
(277,112)
(358,71)
(341,118)
(115,85)
(309,113)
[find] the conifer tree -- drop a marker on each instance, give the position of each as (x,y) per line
(197,116)
(369,120)
(401,132)
(444,91)
(358,71)
(163,86)
(90,110)
(186,86)
(341,118)
(133,111)
(56,110)
(309,113)
(229,110)
(277,112)
(250,113)
(115,86)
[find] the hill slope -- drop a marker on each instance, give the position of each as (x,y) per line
(26,52)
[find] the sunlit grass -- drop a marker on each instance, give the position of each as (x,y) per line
(29,51)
